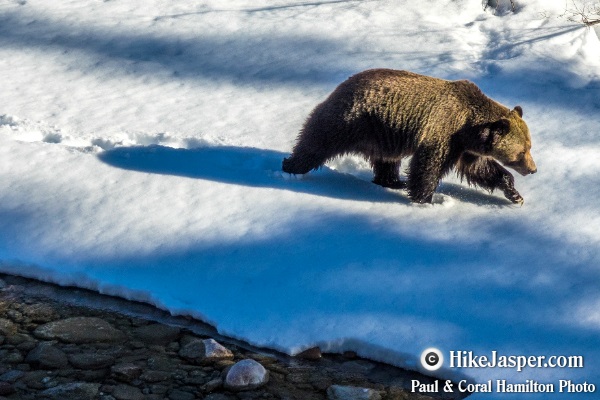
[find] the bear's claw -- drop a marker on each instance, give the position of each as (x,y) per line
(514,197)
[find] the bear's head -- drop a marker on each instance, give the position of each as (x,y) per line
(509,142)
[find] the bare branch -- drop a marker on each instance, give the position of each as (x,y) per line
(584,12)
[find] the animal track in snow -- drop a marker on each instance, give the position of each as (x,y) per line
(28,131)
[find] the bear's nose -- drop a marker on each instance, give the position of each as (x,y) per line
(533,171)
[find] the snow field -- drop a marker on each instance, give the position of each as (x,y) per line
(140,153)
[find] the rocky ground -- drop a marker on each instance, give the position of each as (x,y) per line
(66,343)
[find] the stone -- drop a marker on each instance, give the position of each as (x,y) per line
(39,312)
(15,315)
(12,357)
(18,339)
(360,366)
(46,356)
(246,375)
(155,376)
(27,345)
(212,385)
(213,350)
(80,330)
(7,327)
(159,389)
(157,334)
(6,389)
(192,350)
(126,392)
(73,390)
(91,360)
(37,379)
(338,392)
(264,359)
(11,376)
(204,350)
(218,396)
(162,363)
(177,394)
(314,353)
(126,372)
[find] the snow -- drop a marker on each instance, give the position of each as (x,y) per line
(140,153)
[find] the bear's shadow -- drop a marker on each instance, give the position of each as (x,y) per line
(262,168)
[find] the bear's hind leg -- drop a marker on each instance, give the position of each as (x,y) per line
(488,174)
(387,174)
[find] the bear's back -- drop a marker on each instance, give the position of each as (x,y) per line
(405,99)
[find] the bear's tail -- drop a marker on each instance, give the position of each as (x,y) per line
(300,165)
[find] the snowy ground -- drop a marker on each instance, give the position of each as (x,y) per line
(140,152)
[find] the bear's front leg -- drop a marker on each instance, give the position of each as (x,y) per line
(488,174)
(428,165)
(387,174)
(508,187)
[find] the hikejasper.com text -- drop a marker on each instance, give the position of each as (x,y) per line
(466,359)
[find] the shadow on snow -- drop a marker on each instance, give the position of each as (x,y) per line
(262,168)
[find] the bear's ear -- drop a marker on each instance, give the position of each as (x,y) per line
(519,111)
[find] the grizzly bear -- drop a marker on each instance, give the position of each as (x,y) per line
(386,115)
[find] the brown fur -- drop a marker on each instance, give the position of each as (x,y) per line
(387,115)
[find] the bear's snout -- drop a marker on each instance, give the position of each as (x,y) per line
(530,164)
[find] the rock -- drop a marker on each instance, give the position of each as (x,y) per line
(218,396)
(126,372)
(6,388)
(15,315)
(27,345)
(39,312)
(204,350)
(162,363)
(246,375)
(11,376)
(337,392)
(264,359)
(177,394)
(74,390)
(159,389)
(18,338)
(213,350)
(7,327)
(157,334)
(46,356)
(192,350)
(126,392)
(155,376)
(37,380)
(12,357)
(212,385)
(80,330)
(359,366)
(314,353)
(91,361)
